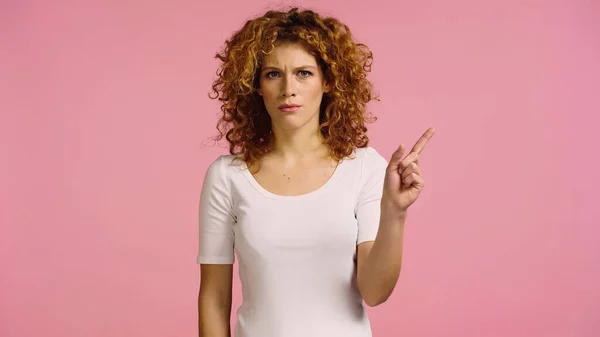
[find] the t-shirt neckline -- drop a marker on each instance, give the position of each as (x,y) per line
(307,195)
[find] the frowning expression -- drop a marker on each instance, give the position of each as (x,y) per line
(292,87)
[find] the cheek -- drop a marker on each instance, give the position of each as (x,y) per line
(316,92)
(267,92)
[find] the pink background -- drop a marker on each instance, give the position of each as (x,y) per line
(103,128)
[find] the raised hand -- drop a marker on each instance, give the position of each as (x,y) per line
(403,179)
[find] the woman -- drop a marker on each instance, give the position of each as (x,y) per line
(314,215)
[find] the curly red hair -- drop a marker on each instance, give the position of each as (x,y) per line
(345,63)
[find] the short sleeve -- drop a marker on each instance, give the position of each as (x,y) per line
(368,206)
(216,218)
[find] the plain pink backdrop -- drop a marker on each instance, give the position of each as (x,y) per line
(103,128)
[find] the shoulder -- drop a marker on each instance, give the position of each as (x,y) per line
(370,167)
(223,167)
(369,158)
(366,165)
(226,162)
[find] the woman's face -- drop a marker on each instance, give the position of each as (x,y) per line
(292,87)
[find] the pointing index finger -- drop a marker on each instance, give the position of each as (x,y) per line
(420,144)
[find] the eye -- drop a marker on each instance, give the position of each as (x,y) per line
(304,73)
(272,74)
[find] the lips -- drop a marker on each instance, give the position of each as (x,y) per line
(289,107)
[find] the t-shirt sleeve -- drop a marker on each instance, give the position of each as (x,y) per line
(368,206)
(216,218)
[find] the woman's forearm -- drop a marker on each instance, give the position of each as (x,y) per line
(213,318)
(381,269)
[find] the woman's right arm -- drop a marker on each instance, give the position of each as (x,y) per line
(214,300)
(215,252)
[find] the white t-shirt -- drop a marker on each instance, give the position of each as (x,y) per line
(296,254)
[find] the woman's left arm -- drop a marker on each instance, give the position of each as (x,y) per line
(379,262)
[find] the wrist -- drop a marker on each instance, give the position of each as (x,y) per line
(392,214)
(393,218)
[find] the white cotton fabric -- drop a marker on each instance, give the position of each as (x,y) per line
(296,254)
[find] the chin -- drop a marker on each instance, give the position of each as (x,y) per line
(289,126)
(295,122)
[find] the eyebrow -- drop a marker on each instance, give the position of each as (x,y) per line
(297,68)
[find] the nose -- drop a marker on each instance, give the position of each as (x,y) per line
(289,87)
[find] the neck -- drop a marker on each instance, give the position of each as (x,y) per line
(297,144)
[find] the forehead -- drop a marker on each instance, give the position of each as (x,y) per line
(290,54)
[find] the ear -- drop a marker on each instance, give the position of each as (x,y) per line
(327,88)
(259,91)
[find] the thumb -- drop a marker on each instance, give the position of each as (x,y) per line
(396,159)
